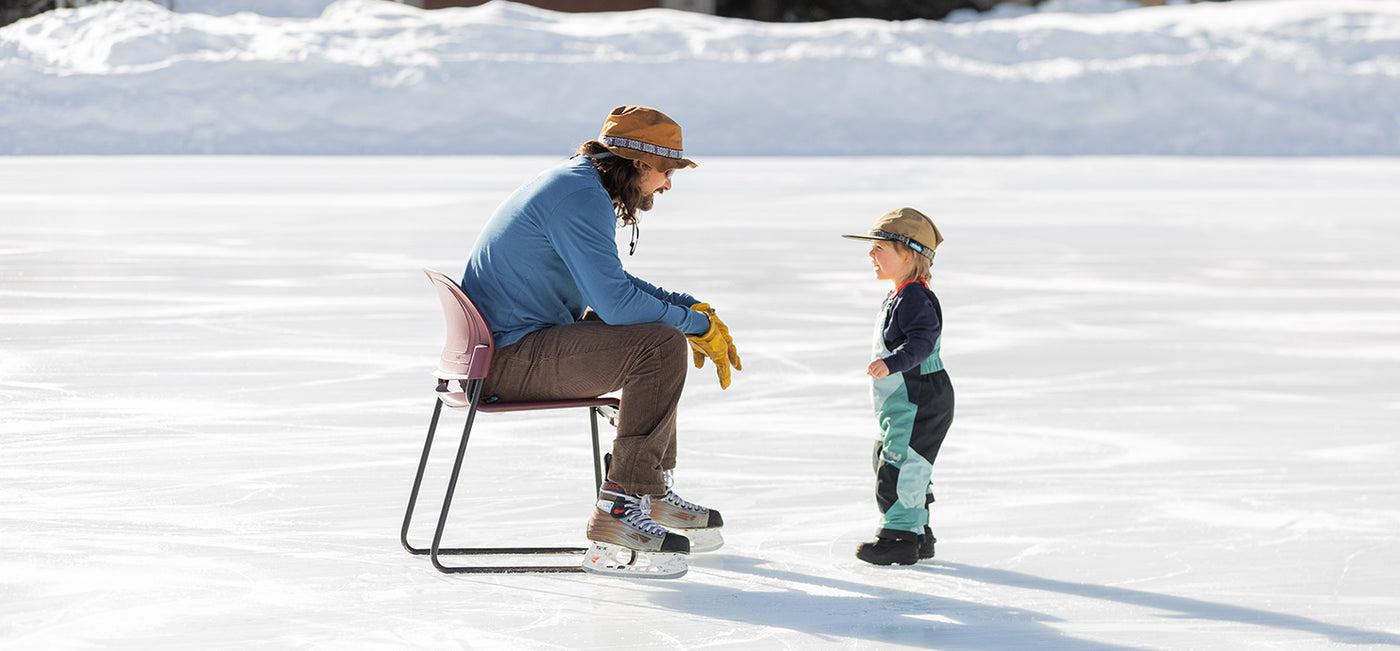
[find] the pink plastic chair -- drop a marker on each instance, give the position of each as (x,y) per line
(466,358)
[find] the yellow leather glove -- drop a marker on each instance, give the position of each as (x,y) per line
(715,344)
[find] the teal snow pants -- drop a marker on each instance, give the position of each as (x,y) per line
(914,410)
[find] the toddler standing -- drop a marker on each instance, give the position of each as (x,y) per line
(912,395)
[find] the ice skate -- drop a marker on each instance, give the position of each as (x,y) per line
(701,525)
(627,542)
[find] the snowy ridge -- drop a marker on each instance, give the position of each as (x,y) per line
(1267,77)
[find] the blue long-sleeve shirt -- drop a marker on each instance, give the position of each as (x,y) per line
(549,252)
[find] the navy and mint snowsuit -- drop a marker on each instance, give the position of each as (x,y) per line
(913,405)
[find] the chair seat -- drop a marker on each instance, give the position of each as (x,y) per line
(551,404)
(460,400)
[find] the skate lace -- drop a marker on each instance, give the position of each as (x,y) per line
(676,500)
(680,502)
(639,515)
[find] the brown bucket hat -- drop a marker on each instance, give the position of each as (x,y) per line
(644,134)
(908,226)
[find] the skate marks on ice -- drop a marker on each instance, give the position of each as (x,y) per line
(921,608)
(1170,606)
(1175,425)
(944,605)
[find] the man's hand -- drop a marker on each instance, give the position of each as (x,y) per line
(715,344)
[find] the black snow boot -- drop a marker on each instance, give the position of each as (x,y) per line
(926,541)
(888,551)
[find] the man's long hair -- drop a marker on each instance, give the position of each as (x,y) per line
(619,179)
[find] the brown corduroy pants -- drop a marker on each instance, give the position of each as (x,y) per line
(647,362)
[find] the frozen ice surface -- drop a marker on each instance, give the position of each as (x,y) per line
(1176,408)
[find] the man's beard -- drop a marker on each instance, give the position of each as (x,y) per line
(646,202)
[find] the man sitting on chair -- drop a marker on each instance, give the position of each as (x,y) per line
(570,322)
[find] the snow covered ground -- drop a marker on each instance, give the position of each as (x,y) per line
(1275,77)
(1176,429)
(1176,375)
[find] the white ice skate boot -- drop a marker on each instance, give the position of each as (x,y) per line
(701,525)
(627,542)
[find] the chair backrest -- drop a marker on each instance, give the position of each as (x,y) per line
(467,353)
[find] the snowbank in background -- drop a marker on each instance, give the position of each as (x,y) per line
(274,8)
(1269,77)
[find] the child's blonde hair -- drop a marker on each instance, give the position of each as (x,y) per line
(920,267)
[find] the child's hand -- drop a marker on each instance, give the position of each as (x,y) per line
(877,369)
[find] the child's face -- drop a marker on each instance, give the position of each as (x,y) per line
(891,262)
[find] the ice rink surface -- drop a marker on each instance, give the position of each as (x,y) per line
(1177,408)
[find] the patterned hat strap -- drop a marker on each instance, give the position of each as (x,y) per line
(906,240)
(629,143)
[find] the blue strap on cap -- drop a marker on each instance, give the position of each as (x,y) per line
(906,240)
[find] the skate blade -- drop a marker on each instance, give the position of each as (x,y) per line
(703,540)
(616,560)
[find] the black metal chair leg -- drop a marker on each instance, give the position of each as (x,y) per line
(418,482)
(437,550)
(597,460)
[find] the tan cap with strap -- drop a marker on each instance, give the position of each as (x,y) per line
(908,226)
